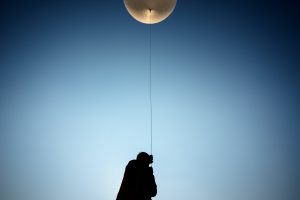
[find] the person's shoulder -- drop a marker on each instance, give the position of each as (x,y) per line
(132,163)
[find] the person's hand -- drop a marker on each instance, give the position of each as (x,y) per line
(150,159)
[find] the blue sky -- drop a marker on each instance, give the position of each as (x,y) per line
(75,100)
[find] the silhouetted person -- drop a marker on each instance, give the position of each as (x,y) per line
(138,181)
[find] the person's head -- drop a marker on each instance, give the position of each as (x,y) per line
(144,158)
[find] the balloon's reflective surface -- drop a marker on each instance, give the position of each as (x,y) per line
(140,10)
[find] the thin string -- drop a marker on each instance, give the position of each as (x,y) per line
(150,78)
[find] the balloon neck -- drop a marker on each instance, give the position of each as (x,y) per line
(150,10)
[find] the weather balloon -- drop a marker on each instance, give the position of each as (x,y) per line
(150,11)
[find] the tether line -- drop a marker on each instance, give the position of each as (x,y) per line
(150,77)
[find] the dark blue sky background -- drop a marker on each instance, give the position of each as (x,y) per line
(75,99)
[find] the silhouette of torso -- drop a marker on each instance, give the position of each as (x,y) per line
(138,182)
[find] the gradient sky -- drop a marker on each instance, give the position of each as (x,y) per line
(74,100)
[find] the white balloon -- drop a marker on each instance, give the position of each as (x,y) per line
(150,11)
